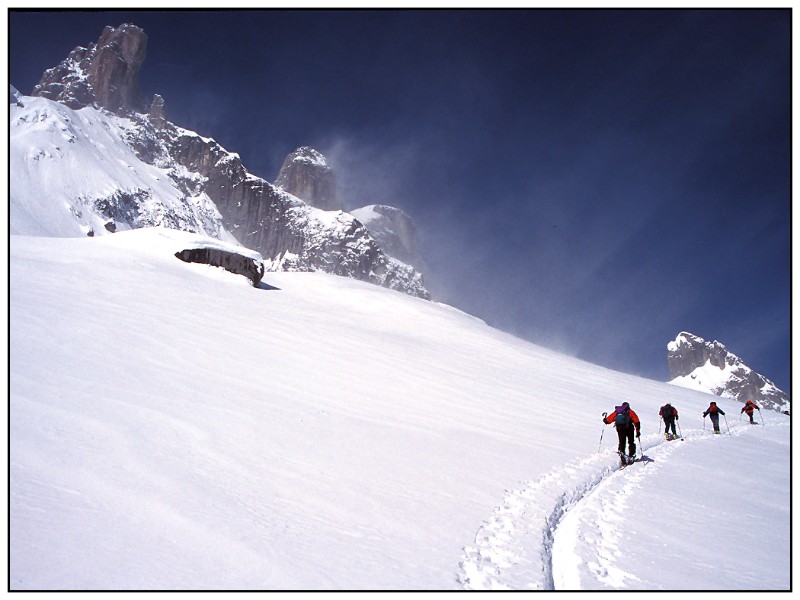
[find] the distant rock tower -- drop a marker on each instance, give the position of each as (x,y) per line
(305,174)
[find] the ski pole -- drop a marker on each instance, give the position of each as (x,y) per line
(659,424)
(602,431)
(726,425)
(760,416)
(704,422)
(679,427)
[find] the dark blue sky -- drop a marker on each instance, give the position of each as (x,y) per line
(595,181)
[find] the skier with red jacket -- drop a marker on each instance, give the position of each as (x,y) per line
(627,422)
(749,407)
(670,414)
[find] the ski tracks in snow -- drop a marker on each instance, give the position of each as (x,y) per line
(531,539)
(513,548)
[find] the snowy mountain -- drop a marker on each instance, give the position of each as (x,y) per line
(173,427)
(394,230)
(307,175)
(123,168)
(697,364)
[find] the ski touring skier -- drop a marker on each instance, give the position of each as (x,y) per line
(627,422)
(714,412)
(748,408)
(669,414)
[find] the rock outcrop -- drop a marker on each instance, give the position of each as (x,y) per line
(233,262)
(708,366)
(305,174)
(105,74)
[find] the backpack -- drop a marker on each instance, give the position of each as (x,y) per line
(622,420)
(667,412)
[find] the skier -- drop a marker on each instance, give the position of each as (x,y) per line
(670,415)
(626,421)
(749,407)
(714,412)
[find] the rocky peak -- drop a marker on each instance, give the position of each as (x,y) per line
(688,351)
(393,230)
(305,174)
(105,74)
(710,367)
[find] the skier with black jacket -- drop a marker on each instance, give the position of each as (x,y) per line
(627,422)
(670,414)
(714,412)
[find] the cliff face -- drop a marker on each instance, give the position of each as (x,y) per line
(106,73)
(709,366)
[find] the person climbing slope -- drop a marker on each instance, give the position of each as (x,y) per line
(627,422)
(670,414)
(714,412)
(748,408)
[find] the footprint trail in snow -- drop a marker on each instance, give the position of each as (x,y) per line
(555,530)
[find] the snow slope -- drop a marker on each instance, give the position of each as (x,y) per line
(172,427)
(72,166)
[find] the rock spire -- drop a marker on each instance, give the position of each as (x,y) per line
(105,74)
(305,174)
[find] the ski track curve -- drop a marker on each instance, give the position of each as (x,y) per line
(528,541)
